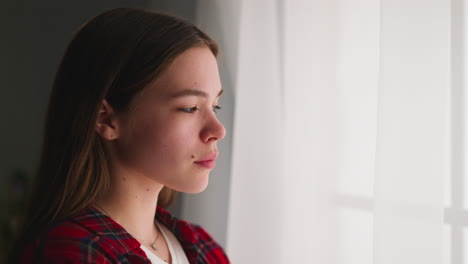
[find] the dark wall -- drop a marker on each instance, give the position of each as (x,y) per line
(34,35)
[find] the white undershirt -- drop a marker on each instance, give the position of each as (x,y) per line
(175,249)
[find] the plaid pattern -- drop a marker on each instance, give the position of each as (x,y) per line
(92,237)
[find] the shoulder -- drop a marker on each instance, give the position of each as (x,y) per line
(198,244)
(66,242)
(210,250)
(87,237)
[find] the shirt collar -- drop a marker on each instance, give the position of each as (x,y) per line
(105,227)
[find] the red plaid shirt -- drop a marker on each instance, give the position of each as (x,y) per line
(92,237)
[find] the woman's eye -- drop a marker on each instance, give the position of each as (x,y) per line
(216,108)
(189,109)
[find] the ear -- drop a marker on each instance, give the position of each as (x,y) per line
(106,122)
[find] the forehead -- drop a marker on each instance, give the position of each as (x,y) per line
(195,68)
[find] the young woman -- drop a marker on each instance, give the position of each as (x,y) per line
(131,120)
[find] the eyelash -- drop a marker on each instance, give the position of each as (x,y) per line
(191,110)
(216,108)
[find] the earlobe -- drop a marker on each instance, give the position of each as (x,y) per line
(106,122)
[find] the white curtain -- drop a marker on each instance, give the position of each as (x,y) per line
(342,133)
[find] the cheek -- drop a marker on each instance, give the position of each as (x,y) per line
(160,144)
(151,142)
(165,151)
(180,142)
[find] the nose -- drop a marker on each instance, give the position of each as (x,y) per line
(213,130)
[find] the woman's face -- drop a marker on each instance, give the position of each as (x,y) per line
(171,134)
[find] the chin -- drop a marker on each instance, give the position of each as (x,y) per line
(194,187)
(198,189)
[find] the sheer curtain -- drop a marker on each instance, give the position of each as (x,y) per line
(341,135)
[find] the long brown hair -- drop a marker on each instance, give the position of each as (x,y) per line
(113,56)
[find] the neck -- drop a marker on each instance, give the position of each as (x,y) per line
(131,202)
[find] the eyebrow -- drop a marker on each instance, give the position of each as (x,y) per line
(192,92)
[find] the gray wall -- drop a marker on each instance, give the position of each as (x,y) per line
(34,37)
(220,19)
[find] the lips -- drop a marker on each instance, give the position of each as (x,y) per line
(208,161)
